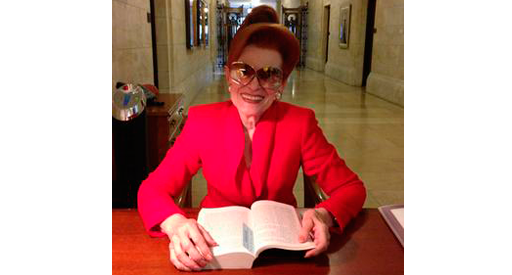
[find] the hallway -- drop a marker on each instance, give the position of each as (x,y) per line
(154,42)
(367,131)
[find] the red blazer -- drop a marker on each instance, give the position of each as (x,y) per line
(286,137)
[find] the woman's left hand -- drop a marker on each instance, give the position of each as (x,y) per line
(317,222)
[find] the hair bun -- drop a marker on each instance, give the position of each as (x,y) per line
(260,14)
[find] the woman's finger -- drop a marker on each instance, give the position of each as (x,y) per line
(200,243)
(322,238)
(321,246)
(175,260)
(307,225)
(209,239)
(189,248)
(182,256)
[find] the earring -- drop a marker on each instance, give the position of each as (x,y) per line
(278,95)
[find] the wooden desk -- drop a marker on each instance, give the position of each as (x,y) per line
(366,247)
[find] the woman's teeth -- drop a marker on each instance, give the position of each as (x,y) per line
(252,98)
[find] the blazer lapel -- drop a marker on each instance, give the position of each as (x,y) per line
(262,149)
(234,142)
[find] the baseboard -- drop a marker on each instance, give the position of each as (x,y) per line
(315,64)
(388,88)
(344,74)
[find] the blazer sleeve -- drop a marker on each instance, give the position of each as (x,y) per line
(181,163)
(321,161)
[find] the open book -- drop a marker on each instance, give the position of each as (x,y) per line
(243,233)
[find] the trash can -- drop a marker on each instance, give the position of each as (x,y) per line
(129,144)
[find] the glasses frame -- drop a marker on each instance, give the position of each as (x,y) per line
(276,89)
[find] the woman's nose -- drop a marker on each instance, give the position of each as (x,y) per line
(254,84)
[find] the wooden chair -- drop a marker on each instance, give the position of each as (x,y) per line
(313,195)
(184,200)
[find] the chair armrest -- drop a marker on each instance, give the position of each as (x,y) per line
(313,194)
(184,199)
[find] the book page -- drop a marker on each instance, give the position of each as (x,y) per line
(276,225)
(226,226)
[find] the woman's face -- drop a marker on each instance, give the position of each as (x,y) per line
(252,99)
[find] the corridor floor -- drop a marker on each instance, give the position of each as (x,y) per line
(367,131)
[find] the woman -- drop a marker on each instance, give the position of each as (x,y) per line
(250,148)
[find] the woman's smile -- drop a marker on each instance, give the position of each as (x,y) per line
(253,99)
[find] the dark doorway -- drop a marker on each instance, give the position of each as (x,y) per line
(368,44)
(151,19)
(228,21)
(295,20)
(327,15)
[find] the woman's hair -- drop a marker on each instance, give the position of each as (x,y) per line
(261,28)
(261,14)
(263,38)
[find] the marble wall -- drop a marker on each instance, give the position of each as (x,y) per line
(386,79)
(132,56)
(346,64)
(182,70)
(291,3)
(315,54)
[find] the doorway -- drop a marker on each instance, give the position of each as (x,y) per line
(327,15)
(228,21)
(295,20)
(368,44)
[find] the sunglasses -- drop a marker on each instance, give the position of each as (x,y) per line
(268,77)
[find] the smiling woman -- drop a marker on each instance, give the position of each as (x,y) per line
(252,90)
(257,144)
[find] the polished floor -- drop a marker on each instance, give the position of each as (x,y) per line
(367,131)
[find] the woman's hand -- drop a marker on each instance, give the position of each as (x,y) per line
(317,222)
(190,243)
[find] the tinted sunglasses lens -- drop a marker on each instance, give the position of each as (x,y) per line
(241,73)
(270,77)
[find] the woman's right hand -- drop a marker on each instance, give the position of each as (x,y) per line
(190,243)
